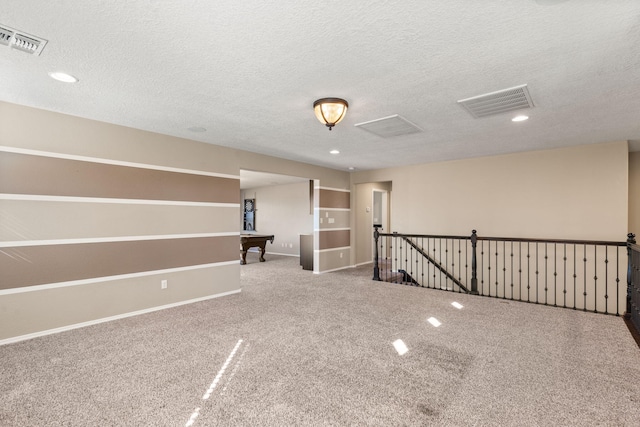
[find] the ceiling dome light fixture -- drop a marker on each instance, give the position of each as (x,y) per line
(330,111)
(520,118)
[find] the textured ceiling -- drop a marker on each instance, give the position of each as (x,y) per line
(249,71)
(253,179)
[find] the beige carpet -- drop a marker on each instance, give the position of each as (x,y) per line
(318,350)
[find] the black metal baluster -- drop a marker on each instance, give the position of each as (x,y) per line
(584,265)
(406,260)
(460,264)
(504,270)
(618,282)
(446,262)
(546,274)
(497,293)
(520,271)
(482,267)
(595,278)
(555,274)
(512,269)
(388,258)
(564,292)
(435,279)
(537,292)
(398,259)
(422,264)
(410,264)
(489,267)
(606,280)
(575,277)
(439,259)
(429,264)
(528,273)
(416,266)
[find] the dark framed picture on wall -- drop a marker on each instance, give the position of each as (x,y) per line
(249,214)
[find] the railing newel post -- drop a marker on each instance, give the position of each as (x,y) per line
(631,240)
(376,266)
(474,263)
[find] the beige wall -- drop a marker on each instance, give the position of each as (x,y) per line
(634,194)
(282,210)
(116,190)
(574,193)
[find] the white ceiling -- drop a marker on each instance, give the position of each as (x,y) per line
(249,71)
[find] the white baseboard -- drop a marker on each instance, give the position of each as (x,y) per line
(277,253)
(364,263)
(335,269)
(110,318)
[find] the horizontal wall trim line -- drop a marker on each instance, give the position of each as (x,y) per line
(333,209)
(75,199)
(111,318)
(332,189)
(320,230)
(333,249)
(20,243)
(112,278)
(113,162)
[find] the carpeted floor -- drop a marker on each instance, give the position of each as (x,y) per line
(318,350)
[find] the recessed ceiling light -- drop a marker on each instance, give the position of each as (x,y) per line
(197,129)
(520,118)
(63,77)
(351,168)
(334,152)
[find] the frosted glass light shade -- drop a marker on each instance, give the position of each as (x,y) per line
(330,111)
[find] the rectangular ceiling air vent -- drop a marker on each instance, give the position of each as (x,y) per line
(21,41)
(5,35)
(388,127)
(515,98)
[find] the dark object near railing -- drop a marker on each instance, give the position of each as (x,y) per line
(632,313)
(577,274)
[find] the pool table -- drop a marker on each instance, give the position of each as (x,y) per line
(248,241)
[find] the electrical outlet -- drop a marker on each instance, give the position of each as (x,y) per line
(163,284)
(332,220)
(290,245)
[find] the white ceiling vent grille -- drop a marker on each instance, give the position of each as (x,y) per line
(515,98)
(388,127)
(21,41)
